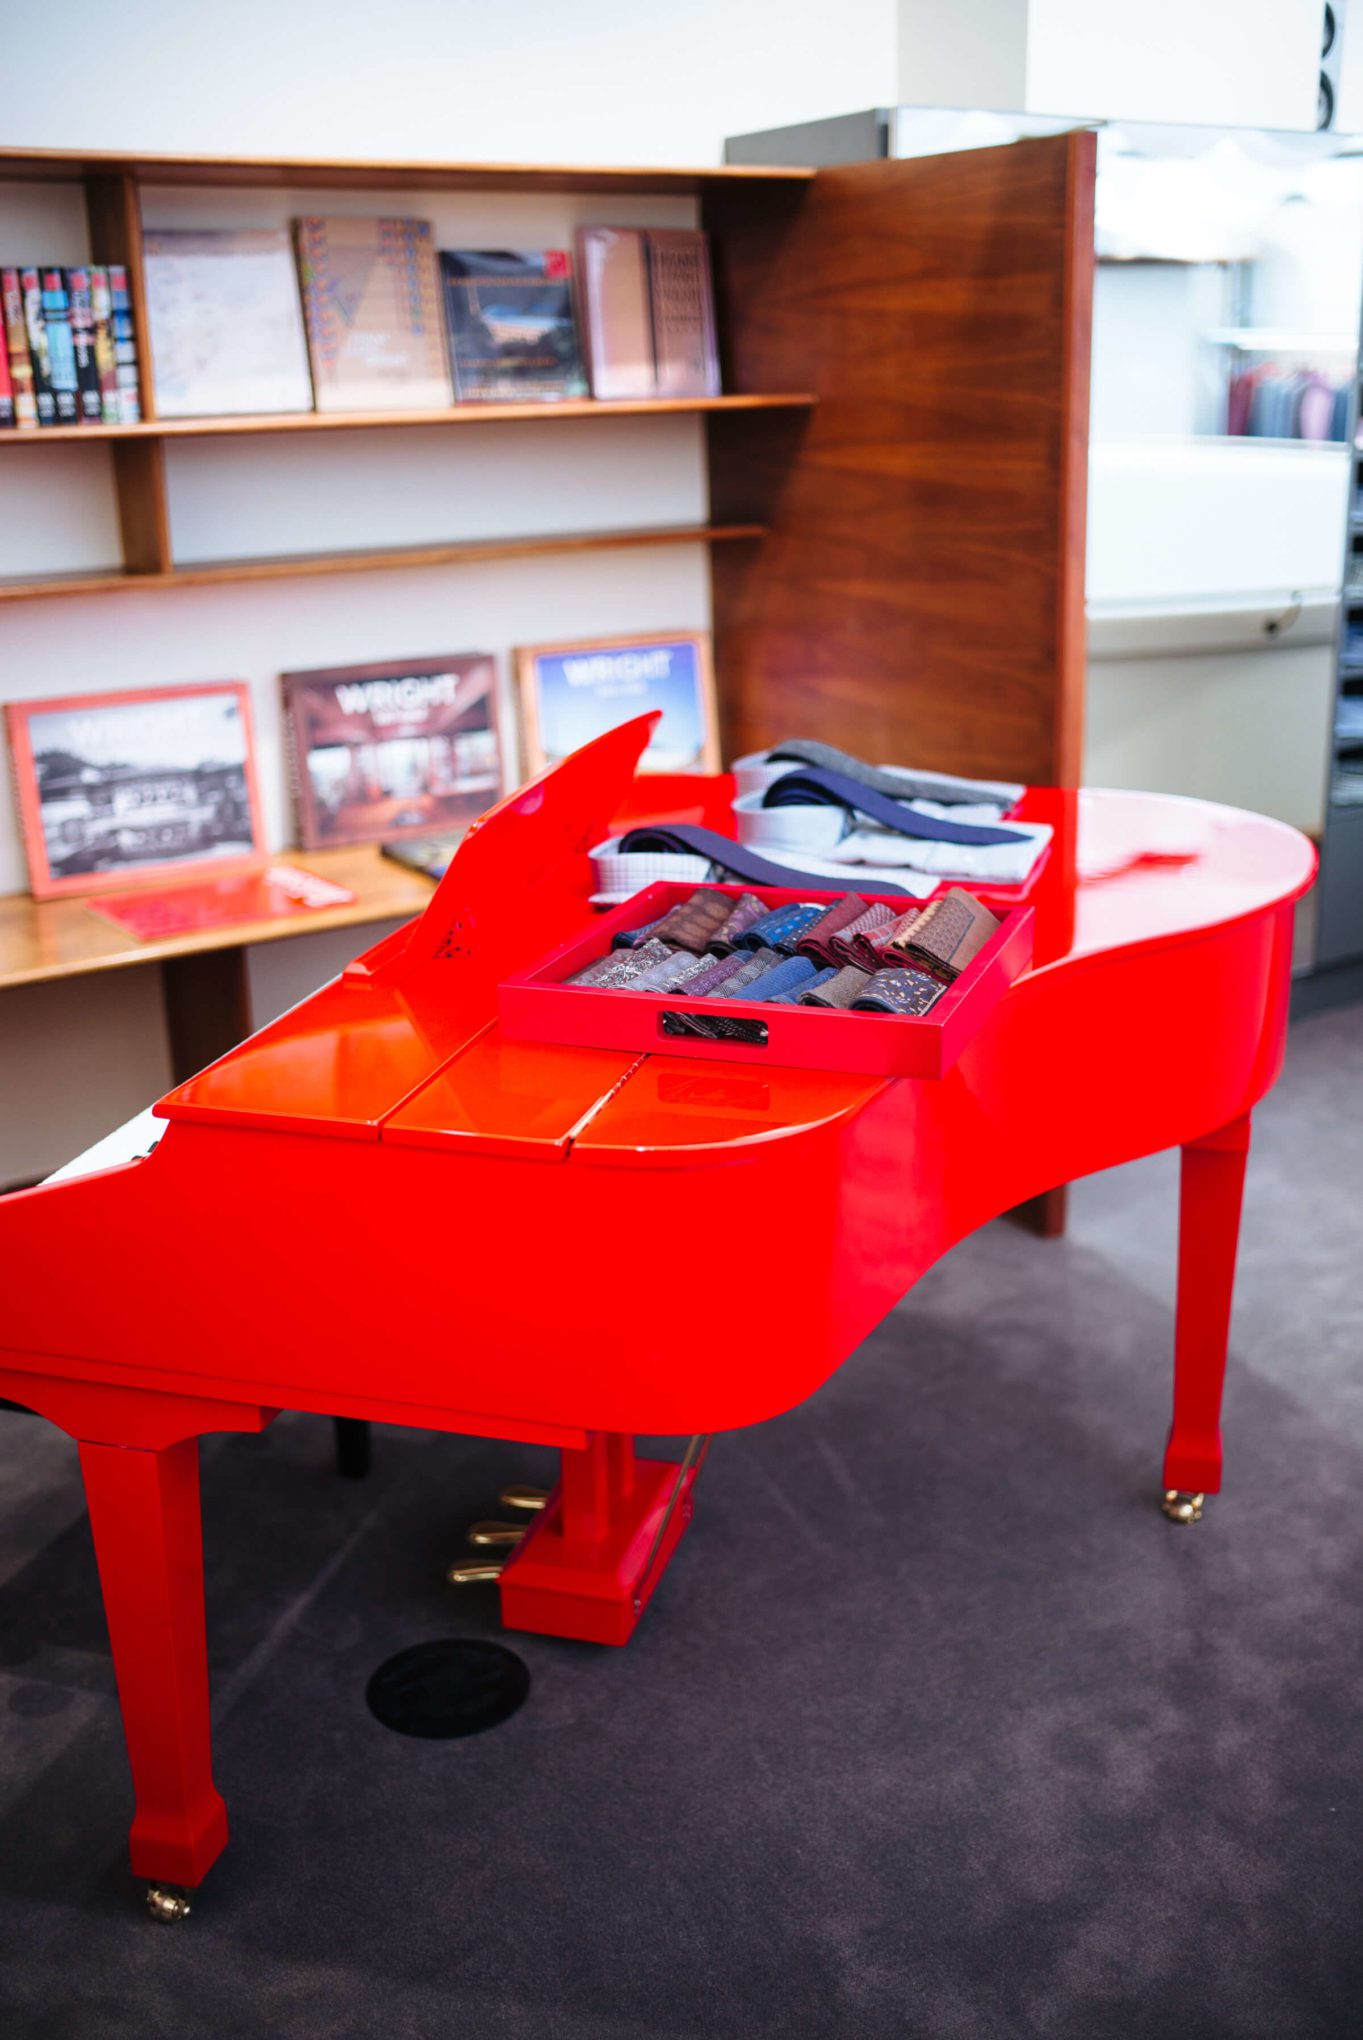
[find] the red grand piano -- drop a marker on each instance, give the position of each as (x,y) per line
(528,1173)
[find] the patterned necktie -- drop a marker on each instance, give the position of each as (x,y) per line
(745,910)
(694,922)
(842,989)
(907,992)
(781,928)
(622,965)
(801,996)
(814,942)
(948,933)
(851,945)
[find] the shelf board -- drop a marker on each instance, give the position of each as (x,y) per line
(368,421)
(330,173)
(288,567)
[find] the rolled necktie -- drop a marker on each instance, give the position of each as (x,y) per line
(816,786)
(815,940)
(801,994)
(747,908)
(693,921)
(843,989)
(654,839)
(621,965)
(631,938)
(856,942)
(676,968)
(712,1026)
(790,975)
(904,784)
(705,984)
(948,933)
(781,928)
(906,992)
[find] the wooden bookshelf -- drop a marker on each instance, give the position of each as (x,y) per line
(295,566)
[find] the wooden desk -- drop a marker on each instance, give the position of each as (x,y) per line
(203,974)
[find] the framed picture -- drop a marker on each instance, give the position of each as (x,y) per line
(408,747)
(572,693)
(119,787)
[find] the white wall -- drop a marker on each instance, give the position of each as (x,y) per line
(1249,63)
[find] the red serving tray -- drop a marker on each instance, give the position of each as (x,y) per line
(536,1005)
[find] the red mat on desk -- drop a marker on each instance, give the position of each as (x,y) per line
(275,894)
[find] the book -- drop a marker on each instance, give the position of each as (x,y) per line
(16,347)
(114,788)
(125,346)
(6,386)
(617,327)
(571,693)
(681,298)
(402,748)
(61,348)
(81,300)
(428,855)
(106,362)
(511,327)
(35,326)
(225,323)
(371,302)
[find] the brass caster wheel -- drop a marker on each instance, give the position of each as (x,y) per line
(473,1575)
(168,1905)
(1182,1508)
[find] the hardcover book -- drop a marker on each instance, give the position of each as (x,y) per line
(511,326)
(125,346)
(403,748)
(106,361)
(6,388)
(612,268)
(574,692)
(371,300)
(16,345)
(685,354)
(226,324)
(61,349)
(80,296)
(118,787)
(35,326)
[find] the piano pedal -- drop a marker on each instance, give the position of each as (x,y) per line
(532,1498)
(168,1904)
(1180,1507)
(474,1575)
(496,1533)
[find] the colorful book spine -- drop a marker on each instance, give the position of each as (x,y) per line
(106,361)
(35,325)
(80,298)
(61,348)
(6,390)
(16,347)
(125,346)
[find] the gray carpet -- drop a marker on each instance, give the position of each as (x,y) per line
(936,1728)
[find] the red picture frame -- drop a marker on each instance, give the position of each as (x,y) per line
(100,819)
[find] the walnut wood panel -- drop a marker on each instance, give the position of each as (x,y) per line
(153,430)
(114,211)
(326,173)
(919,596)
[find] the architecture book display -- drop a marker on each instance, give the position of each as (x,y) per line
(399,748)
(70,354)
(511,328)
(571,693)
(371,297)
(226,324)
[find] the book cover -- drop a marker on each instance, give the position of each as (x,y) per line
(61,349)
(681,296)
(511,326)
(226,324)
(371,302)
(35,326)
(16,347)
(612,268)
(106,362)
(571,693)
(402,748)
(118,787)
(81,300)
(125,346)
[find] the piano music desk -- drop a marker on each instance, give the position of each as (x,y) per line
(562,1206)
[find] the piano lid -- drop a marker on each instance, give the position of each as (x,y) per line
(347,1058)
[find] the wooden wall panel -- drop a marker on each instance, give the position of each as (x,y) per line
(919,597)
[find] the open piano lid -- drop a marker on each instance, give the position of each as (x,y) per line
(343,1061)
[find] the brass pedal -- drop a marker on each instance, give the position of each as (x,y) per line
(474,1575)
(532,1498)
(496,1533)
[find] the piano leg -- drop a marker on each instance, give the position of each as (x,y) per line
(588,1565)
(1210,1190)
(144,1512)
